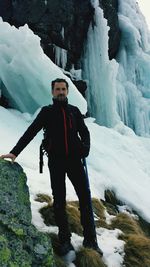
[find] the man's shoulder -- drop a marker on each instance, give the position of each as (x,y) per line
(45,111)
(46,108)
(73,108)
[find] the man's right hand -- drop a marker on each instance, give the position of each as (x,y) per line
(8,156)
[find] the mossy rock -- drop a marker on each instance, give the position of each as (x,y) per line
(21,244)
(5,252)
(14,193)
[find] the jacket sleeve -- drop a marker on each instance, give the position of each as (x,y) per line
(83,132)
(29,134)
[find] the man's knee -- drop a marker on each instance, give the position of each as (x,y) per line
(59,206)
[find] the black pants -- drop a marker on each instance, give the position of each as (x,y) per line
(73,167)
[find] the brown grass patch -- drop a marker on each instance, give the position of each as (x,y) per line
(73,212)
(135,232)
(98,209)
(127,224)
(137,251)
(43,198)
(74,219)
(88,258)
(47,213)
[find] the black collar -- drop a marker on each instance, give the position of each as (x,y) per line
(60,104)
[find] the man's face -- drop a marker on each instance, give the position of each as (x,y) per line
(60,91)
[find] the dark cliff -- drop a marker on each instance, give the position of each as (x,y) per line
(48,19)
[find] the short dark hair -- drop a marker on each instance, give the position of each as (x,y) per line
(59,80)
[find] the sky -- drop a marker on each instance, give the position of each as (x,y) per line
(145,7)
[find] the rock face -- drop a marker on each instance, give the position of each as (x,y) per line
(110,8)
(20,243)
(62,23)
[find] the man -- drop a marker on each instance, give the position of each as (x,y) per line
(68,142)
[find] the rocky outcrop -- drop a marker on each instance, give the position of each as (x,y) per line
(20,242)
(4,102)
(110,8)
(62,23)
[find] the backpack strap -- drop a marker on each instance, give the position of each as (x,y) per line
(42,151)
(41,163)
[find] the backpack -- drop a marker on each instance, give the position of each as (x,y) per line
(44,147)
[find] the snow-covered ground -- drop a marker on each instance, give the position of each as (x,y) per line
(119,160)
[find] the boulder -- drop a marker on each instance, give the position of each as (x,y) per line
(21,244)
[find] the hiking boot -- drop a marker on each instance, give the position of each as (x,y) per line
(65,248)
(92,245)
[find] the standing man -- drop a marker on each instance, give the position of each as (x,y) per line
(68,142)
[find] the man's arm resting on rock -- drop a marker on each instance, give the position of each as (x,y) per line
(29,134)
(8,156)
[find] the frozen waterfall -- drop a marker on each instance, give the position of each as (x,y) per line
(133,87)
(119,89)
(26,72)
(99,72)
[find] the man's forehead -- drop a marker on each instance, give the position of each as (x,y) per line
(60,84)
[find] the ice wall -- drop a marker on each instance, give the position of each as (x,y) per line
(100,72)
(119,91)
(133,86)
(26,72)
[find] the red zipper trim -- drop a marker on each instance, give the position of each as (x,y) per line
(65,128)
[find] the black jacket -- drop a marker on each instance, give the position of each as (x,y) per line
(67,133)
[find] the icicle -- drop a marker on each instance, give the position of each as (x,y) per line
(76,74)
(61,54)
(100,72)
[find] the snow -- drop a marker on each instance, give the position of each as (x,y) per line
(108,217)
(119,160)
(112,247)
(26,72)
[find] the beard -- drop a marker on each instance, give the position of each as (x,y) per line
(61,97)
